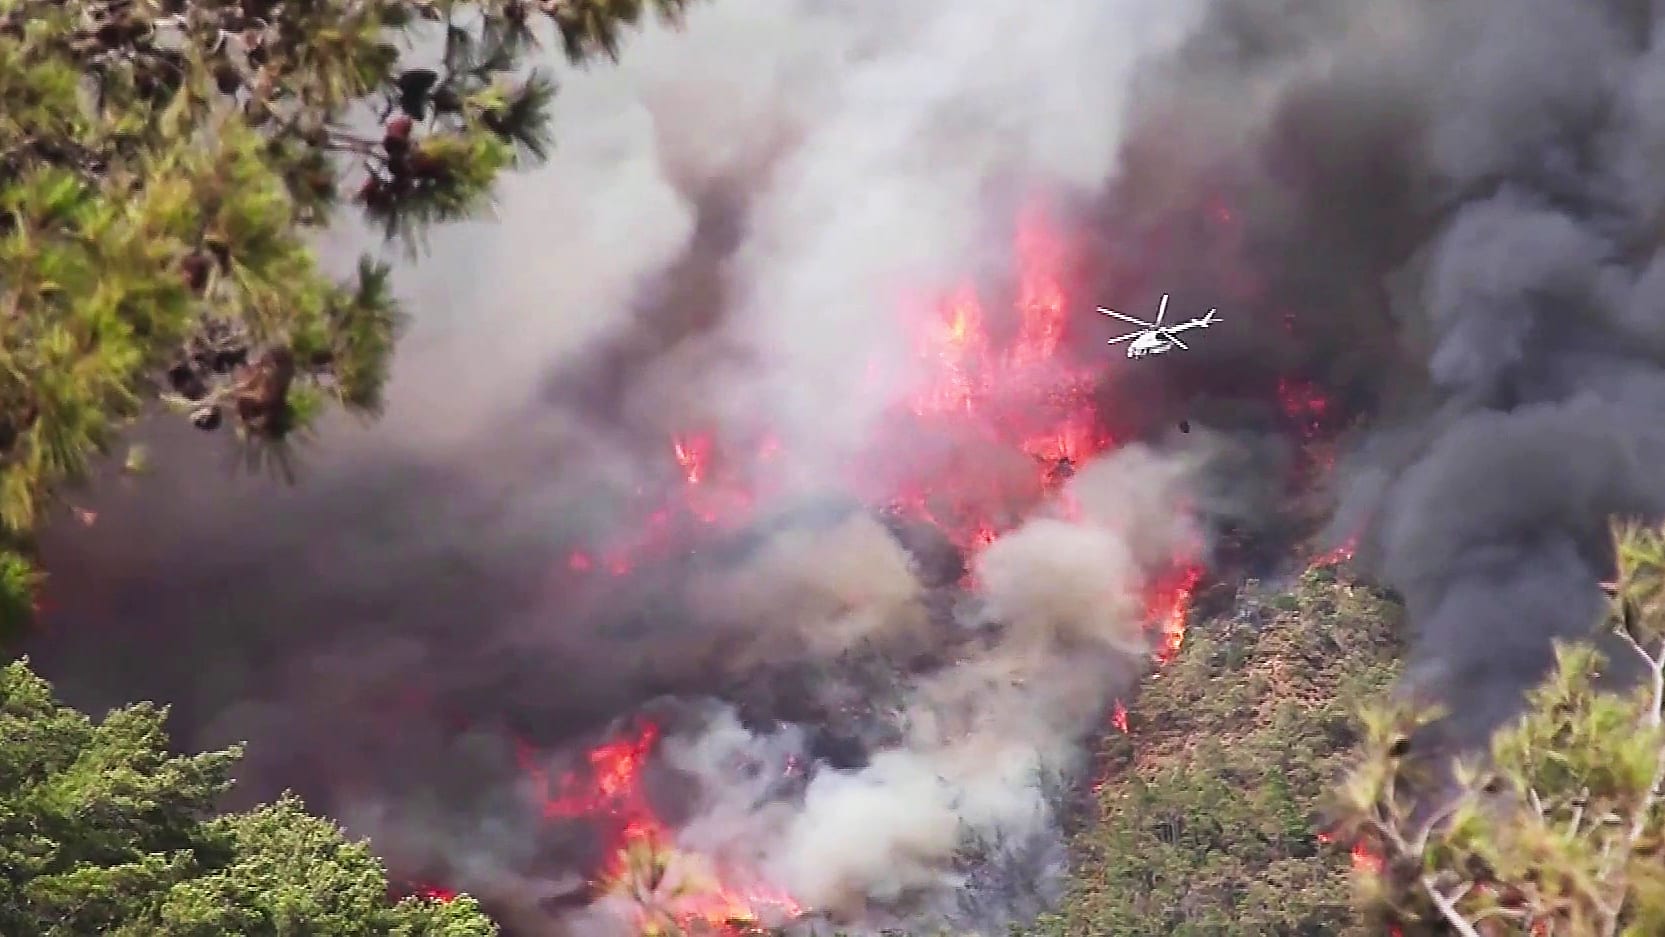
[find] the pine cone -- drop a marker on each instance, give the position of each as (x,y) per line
(186,382)
(227,78)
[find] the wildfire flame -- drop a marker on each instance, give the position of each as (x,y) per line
(992,382)
(1169,605)
(1333,557)
(1366,861)
(608,790)
(1305,404)
(980,395)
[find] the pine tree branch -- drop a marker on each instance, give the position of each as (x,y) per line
(1419,844)
(1447,905)
(1652,718)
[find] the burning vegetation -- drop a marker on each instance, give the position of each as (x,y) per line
(1002,410)
(1018,539)
(1212,813)
(1005,408)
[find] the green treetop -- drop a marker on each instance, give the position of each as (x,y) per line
(163,166)
(104,831)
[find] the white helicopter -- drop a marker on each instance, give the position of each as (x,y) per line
(1154,338)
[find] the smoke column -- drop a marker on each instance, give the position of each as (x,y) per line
(1520,260)
(1467,235)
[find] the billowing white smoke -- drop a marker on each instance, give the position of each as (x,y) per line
(879,151)
(910,174)
(882,150)
(969,787)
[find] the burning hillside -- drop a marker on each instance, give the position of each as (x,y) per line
(714,690)
(793,591)
(1001,572)
(997,417)
(772,534)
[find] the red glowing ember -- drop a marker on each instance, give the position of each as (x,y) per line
(1335,556)
(1306,405)
(1118,717)
(1366,861)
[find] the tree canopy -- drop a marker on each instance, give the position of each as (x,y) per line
(103,831)
(1208,821)
(164,167)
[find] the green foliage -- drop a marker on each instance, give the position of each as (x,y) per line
(1559,830)
(1208,821)
(164,166)
(18,579)
(104,831)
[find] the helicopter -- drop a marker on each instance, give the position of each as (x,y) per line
(1154,338)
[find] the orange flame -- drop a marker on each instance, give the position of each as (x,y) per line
(1303,402)
(692,453)
(1169,605)
(1335,556)
(608,788)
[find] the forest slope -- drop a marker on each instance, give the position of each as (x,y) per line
(1208,820)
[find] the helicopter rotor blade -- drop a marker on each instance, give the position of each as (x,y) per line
(1139,322)
(1161,310)
(1123,338)
(1175,339)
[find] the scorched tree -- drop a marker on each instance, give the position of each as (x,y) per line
(164,165)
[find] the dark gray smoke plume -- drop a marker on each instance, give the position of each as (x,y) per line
(1528,219)
(1459,204)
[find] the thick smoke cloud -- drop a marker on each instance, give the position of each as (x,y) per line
(1523,285)
(1468,239)
(729,225)
(980,748)
(1445,212)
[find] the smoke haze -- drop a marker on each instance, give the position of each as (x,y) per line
(1443,213)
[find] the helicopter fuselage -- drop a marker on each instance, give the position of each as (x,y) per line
(1155,338)
(1150,343)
